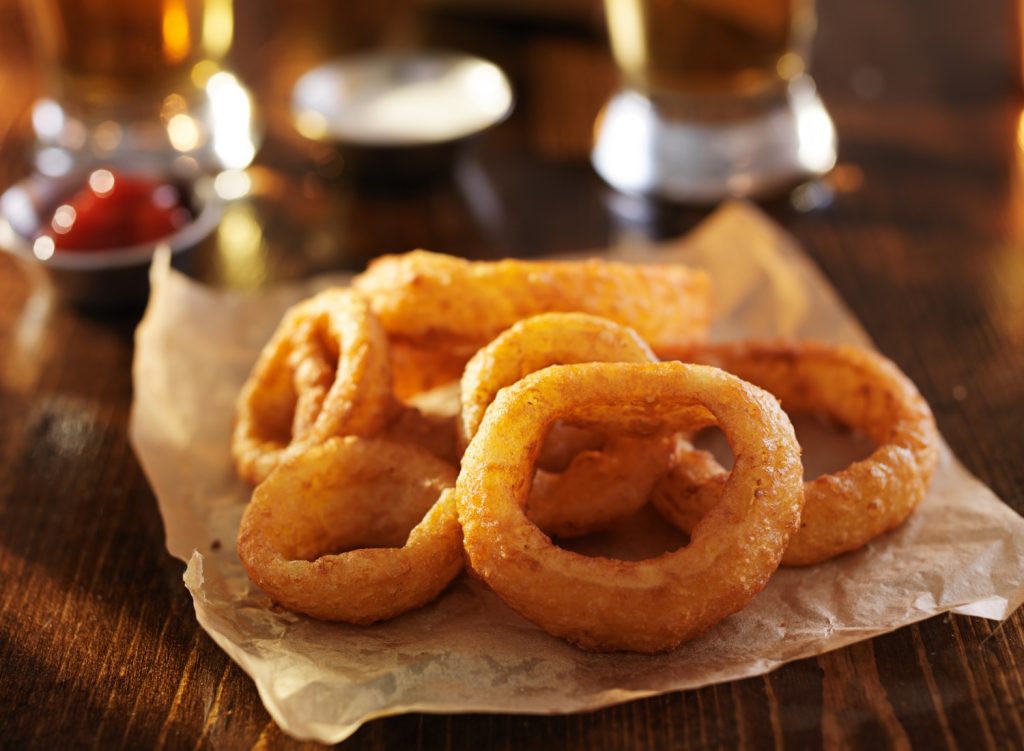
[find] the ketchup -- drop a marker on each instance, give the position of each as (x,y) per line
(116,210)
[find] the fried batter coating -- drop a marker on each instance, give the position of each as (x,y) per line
(859,388)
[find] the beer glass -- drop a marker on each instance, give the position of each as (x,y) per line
(140,81)
(715,100)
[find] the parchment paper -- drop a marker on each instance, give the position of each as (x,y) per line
(962,551)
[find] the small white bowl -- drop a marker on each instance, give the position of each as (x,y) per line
(97,278)
(401,113)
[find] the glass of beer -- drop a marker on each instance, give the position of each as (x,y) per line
(140,81)
(715,99)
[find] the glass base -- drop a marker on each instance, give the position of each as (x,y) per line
(203,130)
(694,151)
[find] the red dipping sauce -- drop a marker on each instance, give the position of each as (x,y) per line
(116,211)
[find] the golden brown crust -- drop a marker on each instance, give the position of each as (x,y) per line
(422,366)
(859,388)
(325,372)
(599,488)
(453,303)
(384,504)
(645,606)
(596,488)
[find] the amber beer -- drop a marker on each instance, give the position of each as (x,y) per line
(103,56)
(717,47)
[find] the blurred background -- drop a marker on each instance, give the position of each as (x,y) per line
(922,93)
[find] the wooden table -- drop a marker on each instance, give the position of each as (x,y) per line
(924,238)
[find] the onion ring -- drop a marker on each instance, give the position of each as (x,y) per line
(325,372)
(456,304)
(645,606)
(359,493)
(596,488)
(859,388)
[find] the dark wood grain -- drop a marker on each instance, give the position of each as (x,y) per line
(921,229)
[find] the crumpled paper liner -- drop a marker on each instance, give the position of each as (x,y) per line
(963,551)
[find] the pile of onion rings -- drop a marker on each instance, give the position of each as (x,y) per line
(442,413)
